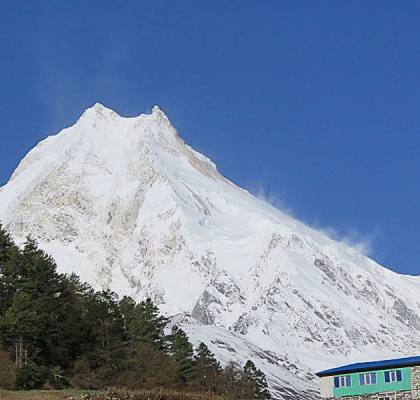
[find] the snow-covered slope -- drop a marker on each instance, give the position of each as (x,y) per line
(126,204)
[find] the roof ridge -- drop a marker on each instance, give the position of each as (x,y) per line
(371,365)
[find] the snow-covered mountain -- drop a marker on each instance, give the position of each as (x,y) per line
(127,205)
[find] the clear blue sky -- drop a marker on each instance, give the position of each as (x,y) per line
(313,104)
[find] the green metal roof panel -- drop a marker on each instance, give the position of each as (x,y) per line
(371,366)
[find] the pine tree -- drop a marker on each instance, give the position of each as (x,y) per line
(30,324)
(72,329)
(145,324)
(42,287)
(87,300)
(110,324)
(24,323)
(257,378)
(10,271)
(181,350)
(206,371)
(127,308)
(6,244)
(101,365)
(20,327)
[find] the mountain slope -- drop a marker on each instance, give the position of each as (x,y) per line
(126,204)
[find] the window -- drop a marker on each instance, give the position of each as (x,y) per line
(342,381)
(368,379)
(393,376)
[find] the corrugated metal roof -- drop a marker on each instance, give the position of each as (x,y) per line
(373,365)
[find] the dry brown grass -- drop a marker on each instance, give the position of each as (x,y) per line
(40,394)
(114,394)
(158,394)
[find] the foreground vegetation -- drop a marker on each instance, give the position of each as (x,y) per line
(57,332)
(114,394)
(63,394)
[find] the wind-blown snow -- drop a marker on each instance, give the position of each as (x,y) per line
(127,205)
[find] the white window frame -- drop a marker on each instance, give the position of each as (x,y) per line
(393,376)
(343,381)
(367,378)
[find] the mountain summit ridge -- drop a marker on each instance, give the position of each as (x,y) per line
(127,205)
(100,108)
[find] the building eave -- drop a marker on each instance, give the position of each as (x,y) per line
(371,366)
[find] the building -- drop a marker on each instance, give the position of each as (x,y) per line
(397,379)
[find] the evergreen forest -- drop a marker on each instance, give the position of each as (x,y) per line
(58,332)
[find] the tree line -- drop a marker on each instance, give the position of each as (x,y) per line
(56,331)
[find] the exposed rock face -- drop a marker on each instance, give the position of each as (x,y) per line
(127,205)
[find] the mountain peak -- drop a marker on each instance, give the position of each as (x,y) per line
(160,115)
(99,111)
(128,206)
(100,106)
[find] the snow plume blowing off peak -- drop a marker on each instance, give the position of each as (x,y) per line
(127,205)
